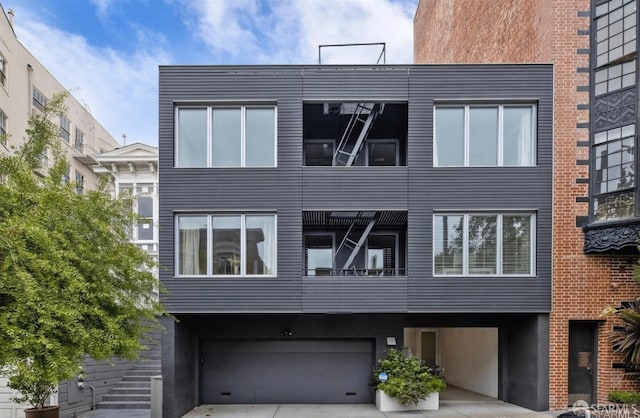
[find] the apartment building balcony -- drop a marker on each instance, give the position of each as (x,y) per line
(346,134)
(354,260)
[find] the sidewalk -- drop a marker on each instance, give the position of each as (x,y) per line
(447,410)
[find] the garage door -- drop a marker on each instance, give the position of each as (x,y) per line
(287,371)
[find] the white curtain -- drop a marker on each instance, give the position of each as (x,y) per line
(268,248)
(525,140)
(190,245)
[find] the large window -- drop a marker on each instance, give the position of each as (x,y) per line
(226,136)
(614,173)
(483,244)
(226,245)
(616,30)
(484,135)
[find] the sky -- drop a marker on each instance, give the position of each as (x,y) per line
(107,52)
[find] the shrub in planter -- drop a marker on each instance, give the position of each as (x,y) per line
(619,396)
(409,379)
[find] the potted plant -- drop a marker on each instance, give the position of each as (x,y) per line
(406,383)
(35,385)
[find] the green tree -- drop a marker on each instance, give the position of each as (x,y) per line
(71,282)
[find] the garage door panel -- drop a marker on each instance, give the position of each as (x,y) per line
(293,371)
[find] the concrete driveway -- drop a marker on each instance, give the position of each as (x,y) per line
(447,410)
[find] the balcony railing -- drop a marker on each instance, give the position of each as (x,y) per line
(321,271)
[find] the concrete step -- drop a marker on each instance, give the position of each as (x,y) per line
(143,372)
(148,364)
(133,390)
(135,384)
(124,405)
(126,398)
(129,378)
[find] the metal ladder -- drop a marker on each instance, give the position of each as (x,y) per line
(344,157)
(349,241)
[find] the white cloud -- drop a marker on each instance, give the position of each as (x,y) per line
(289,31)
(120,89)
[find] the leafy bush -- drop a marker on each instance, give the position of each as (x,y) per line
(619,396)
(409,379)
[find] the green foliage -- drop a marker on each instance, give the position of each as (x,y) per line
(619,396)
(71,282)
(409,378)
(626,339)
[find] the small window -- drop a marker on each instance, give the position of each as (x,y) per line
(382,153)
(226,136)
(381,255)
(3,123)
(66,177)
(79,140)
(3,71)
(79,182)
(65,128)
(318,256)
(39,99)
(479,135)
(484,244)
(319,152)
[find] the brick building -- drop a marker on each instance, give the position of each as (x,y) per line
(592,45)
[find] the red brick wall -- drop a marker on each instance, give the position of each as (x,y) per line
(458,31)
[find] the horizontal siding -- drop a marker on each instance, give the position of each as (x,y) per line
(355,188)
(193,295)
(345,294)
(356,83)
(477,188)
(418,187)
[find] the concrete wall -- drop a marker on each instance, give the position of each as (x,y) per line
(469,357)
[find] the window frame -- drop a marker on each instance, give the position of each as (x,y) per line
(209,108)
(3,123)
(38,99)
(79,180)
(374,141)
(209,239)
(78,140)
(305,263)
(396,252)
(3,71)
(499,242)
(500,130)
(65,126)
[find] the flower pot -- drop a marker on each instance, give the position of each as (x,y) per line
(386,403)
(52,411)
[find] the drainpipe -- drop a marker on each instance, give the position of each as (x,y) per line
(93,397)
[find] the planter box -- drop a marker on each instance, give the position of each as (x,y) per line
(386,403)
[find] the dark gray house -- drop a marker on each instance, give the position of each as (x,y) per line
(312,216)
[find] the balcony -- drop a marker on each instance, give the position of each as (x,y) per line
(355,243)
